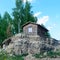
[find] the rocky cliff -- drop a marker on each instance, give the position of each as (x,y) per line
(23,44)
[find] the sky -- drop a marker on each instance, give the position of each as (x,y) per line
(47,12)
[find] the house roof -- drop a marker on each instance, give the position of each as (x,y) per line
(35,24)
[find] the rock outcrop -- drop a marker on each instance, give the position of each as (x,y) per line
(22,44)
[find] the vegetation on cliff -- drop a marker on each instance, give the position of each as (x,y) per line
(50,54)
(6,56)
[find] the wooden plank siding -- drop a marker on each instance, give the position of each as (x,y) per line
(41,32)
(34,29)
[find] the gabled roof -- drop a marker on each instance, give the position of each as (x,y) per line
(35,24)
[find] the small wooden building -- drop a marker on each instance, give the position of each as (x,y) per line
(31,28)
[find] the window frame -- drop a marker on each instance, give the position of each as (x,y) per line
(30,29)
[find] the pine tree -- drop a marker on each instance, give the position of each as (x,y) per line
(22,14)
(28,14)
(17,13)
(4,23)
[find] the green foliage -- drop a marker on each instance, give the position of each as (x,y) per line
(4,23)
(37,55)
(47,34)
(53,54)
(5,56)
(40,55)
(7,18)
(28,14)
(50,54)
(24,54)
(22,14)
(18,57)
(18,15)
(3,26)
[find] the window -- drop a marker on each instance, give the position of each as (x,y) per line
(30,29)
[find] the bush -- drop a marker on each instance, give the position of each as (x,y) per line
(24,54)
(40,55)
(5,56)
(37,55)
(52,54)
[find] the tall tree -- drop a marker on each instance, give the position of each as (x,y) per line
(8,25)
(17,13)
(2,29)
(7,18)
(0,18)
(22,14)
(4,23)
(28,14)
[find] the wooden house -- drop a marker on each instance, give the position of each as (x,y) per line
(31,28)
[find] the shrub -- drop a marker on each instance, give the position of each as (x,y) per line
(40,55)
(5,56)
(52,54)
(24,54)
